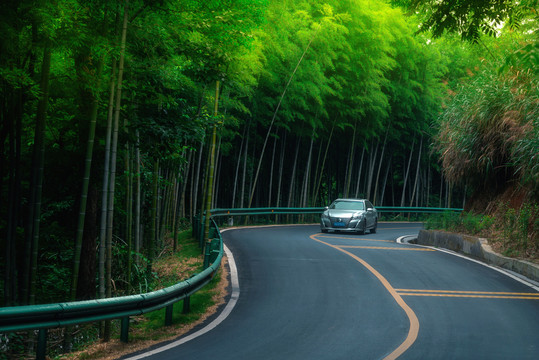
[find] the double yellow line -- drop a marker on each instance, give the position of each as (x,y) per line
(383,248)
(414,322)
(398,293)
(468,294)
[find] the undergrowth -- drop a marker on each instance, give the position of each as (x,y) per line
(168,269)
(512,232)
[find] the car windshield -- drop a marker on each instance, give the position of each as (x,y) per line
(348,205)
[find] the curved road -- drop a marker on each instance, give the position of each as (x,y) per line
(307,295)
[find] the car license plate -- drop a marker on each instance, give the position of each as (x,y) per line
(338,224)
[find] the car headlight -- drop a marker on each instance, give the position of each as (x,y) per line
(325,216)
(357,216)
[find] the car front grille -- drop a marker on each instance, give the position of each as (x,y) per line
(343,220)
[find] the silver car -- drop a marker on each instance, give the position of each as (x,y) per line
(357,215)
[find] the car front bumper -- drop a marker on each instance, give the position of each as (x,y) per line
(347,224)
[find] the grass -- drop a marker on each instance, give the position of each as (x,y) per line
(511,232)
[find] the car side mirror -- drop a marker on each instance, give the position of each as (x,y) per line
(327,207)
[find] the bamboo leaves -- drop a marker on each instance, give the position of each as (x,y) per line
(486,124)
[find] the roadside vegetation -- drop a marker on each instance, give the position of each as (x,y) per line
(487,135)
(488,142)
(149,329)
(170,268)
(509,231)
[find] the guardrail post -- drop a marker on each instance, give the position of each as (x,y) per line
(124,332)
(41,351)
(168,314)
(207,250)
(186,305)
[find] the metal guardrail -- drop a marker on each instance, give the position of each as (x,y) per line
(318,210)
(44,317)
(266,211)
(410,209)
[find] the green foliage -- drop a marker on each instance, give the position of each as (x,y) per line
(446,221)
(12,345)
(514,231)
(520,228)
(526,156)
(470,18)
(473,224)
(488,128)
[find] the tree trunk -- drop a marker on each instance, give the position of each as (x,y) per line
(87,281)
(210,177)
(380,166)
(270,187)
(372,164)
(242,195)
(85,184)
(359,172)
(281,167)
(315,174)
(37,171)
(236,175)
(105,191)
(152,237)
(385,180)
(350,164)
(138,200)
(13,121)
(429,179)
(176,210)
(306,178)
(321,171)
(406,174)
(215,190)
(280,178)
(184,184)
(197,179)
(442,182)
(112,181)
(417,172)
(129,213)
(293,176)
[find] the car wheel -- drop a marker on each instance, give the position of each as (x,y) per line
(373,230)
(324,230)
(364,229)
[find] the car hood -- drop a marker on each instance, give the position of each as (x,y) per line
(342,213)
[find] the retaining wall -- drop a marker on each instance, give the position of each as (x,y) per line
(479,249)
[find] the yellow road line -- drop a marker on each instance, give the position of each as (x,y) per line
(472,296)
(399,228)
(469,294)
(350,238)
(384,248)
(414,322)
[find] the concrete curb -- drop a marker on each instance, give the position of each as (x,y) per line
(477,248)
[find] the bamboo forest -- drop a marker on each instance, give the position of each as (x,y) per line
(122,120)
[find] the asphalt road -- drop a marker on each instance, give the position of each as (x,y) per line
(307,295)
